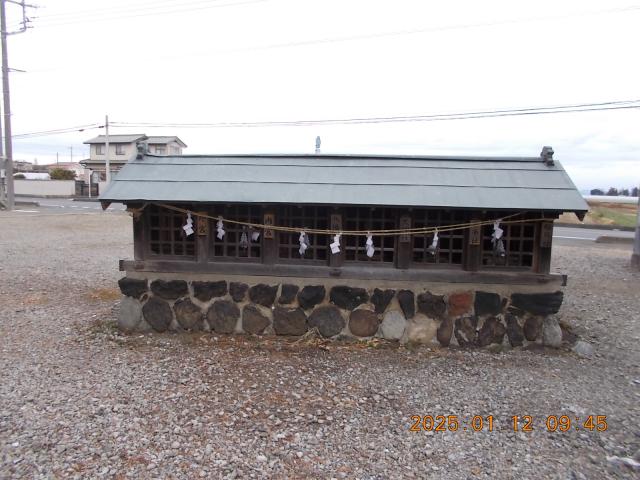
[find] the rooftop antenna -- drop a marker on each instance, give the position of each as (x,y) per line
(318,141)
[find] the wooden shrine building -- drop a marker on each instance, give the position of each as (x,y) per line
(273,237)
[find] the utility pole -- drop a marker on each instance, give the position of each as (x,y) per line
(635,256)
(71,154)
(3,172)
(8,146)
(107,165)
(7,110)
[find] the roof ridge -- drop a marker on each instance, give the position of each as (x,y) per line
(352,156)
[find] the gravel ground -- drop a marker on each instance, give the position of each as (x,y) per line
(79,400)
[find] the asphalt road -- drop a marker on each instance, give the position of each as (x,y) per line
(585,237)
(62,205)
(57,206)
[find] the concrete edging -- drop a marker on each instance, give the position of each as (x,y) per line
(595,227)
(618,240)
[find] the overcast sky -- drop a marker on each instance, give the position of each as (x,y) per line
(206,61)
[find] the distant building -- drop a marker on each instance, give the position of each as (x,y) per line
(122,148)
(72,166)
(22,166)
(32,175)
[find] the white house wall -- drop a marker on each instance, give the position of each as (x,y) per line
(129,149)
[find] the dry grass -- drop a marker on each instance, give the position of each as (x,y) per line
(104,294)
(604,213)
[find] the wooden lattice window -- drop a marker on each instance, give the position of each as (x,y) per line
(369,218)
(166,236)
(518,240)
(233,245)
(450,243)
(303,218)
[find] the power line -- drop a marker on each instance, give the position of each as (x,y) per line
(349,38)
(575,108)
(123,8)
(432,29)
(56,131)
(144,13)
(102,18)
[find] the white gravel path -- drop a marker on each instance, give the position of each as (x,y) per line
(78,400)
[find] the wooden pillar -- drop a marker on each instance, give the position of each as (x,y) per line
(140,231)
(472,247)
(203,227)
(337,260)
(404,249)
(542,246)
(269,238)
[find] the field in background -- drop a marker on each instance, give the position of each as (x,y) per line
(606,213)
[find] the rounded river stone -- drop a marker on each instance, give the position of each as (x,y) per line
(132,287)
(311,295)
(363,323)
(288,321)
(328,320)
(223,316)
(253,320)
(158,314)
(188,315)
(171,290)
(205,291)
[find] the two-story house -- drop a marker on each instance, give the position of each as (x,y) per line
(122,148)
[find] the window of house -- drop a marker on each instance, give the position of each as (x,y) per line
(518,243)
(450,244)
(369,218)
(175,151)
(161,149)
(166,236)
(99,149)
(119,149)
(303,218)
(237,242)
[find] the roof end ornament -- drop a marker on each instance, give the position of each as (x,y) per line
(141,150)
(547,156)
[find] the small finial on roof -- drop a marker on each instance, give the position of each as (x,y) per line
(141,150)
(318,141)
(547,156)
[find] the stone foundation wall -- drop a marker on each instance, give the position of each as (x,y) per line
(439,314)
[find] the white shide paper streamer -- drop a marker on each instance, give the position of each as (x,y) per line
(370,248)
(220,229)
(434,243)
(496,239)
(335,246)
(188,227)
(304,243)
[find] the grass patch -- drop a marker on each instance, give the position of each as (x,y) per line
(610,216)
(606,213)
(104,294)
(103,327)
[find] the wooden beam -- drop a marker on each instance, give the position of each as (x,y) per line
(346,272)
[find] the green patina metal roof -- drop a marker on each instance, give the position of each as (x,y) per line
(457,182)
